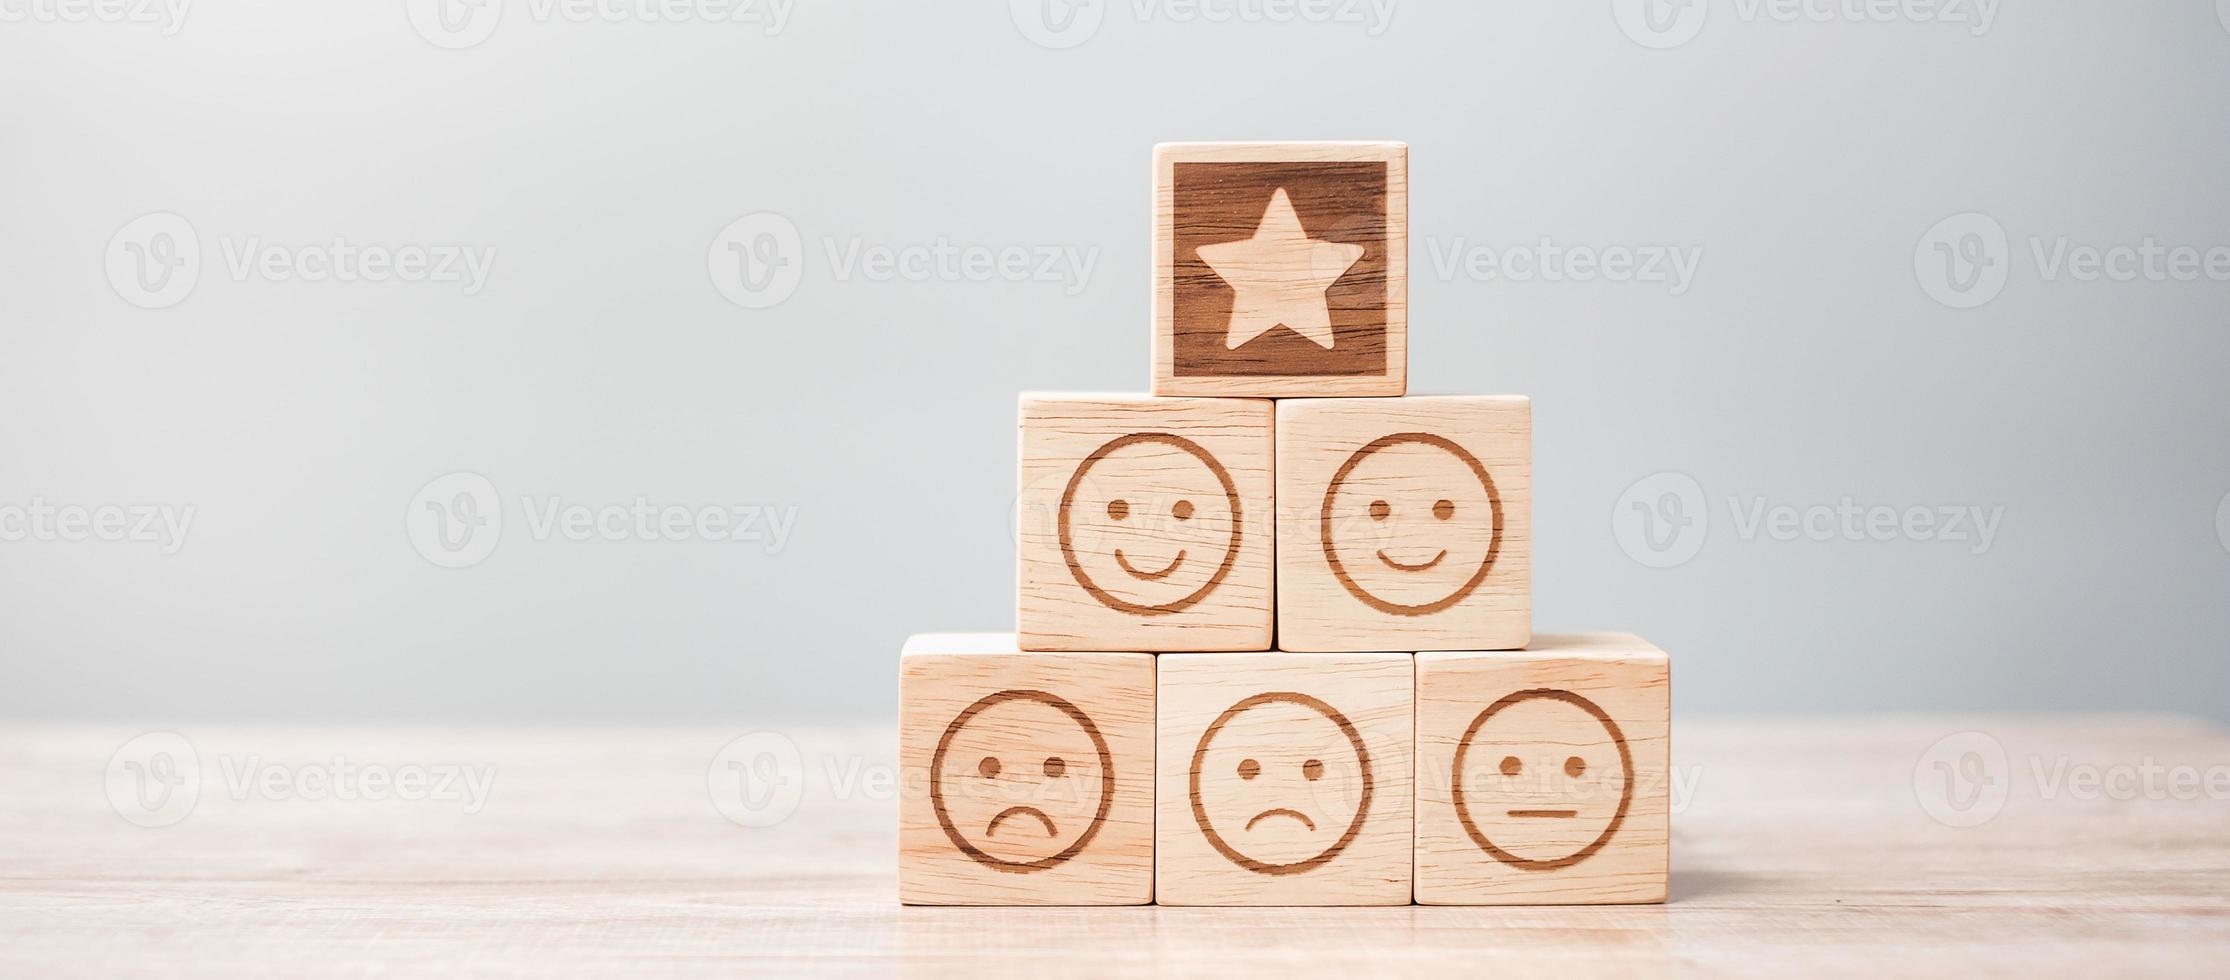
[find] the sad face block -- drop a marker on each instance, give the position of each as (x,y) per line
(1284,779)
(1025,778)
(1144,523)
(1405,522)
(1543,775)
(1281,269)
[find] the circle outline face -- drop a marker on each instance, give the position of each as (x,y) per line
(937,789)
(1230,495)
(1362,807)
(1331,553)
(1625,792)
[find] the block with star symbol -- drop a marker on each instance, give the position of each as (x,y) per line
(1281,269)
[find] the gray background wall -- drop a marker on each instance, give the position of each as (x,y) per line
(1818,352)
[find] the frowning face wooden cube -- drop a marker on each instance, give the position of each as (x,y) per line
(1543,775)
(1027,778)
(1405,522)
(1144,523)
(1281,269)
(1284,779)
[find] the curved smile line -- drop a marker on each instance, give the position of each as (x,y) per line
(1563,814)
(1150,576)
(1282,812)
(1011,811)
(1399,567)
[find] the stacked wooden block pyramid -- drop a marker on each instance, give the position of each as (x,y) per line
(1275,641)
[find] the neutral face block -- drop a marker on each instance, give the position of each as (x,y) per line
(1025,778)
(1284,779)
(1281,269)
(1144,523)
(1405,522)
(1544,775)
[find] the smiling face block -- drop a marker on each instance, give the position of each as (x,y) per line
(1026,777)
(1543,774)
(1144,523)
(1405,521)
(1284,779)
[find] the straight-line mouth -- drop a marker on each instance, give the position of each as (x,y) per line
(1556,814)
(1406,567)
(1016,811)
(1150,576)
(1282,812)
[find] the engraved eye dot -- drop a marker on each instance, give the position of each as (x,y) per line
(1312,769)
(1575,766)
(988,768)
(1380,509)
(1248,769)
(1182,510)
(1444,509)
(1510,765)
(1118,509)
(1054,767)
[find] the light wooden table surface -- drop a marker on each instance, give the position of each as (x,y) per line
(1798,849)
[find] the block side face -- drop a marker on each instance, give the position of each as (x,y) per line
(1542,779)
(1281,269)
(1284,779)
(1026,780)
(1405,521)
(1145,525)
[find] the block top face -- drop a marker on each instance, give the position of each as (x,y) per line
(1144,523)
(1281,269)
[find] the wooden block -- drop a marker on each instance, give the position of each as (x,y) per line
(1281,269)
(1405,522)
(1026,778)
(1144,523)
(1543,775)
(1284,779)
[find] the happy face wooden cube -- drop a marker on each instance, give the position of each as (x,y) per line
(1284,779)
(1544,775)
(1144,523)
(1281,269)
(1026,778)
(1405,522)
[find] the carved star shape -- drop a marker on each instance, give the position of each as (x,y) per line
(1280,276)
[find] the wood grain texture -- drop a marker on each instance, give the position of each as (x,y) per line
(1144,523)
(1345,300)
(1284,779)
(1405,523)
(1799,849)
(1560,755)
(1026,778)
